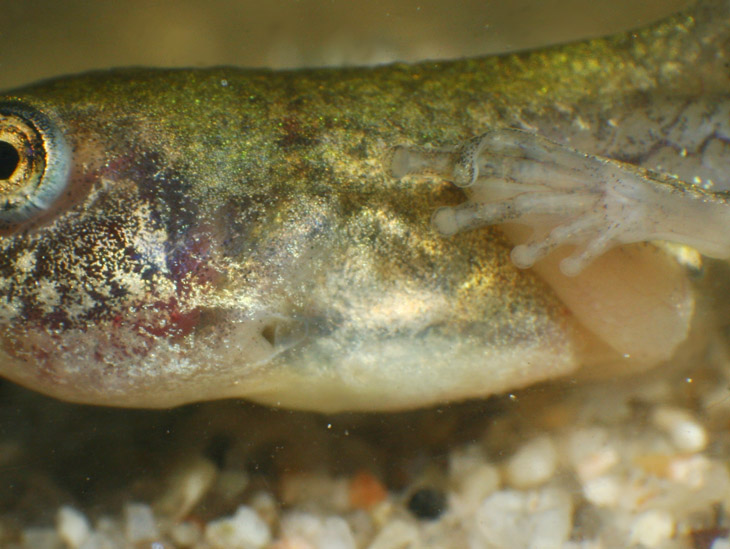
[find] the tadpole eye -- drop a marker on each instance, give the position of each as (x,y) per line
(34,163)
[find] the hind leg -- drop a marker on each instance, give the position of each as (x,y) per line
(567,198)
(547,197)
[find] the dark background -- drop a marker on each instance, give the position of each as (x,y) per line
(43,38)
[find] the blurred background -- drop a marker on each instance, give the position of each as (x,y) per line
(44,38)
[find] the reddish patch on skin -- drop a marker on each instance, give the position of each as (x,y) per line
(190,264)
(177,324)
(167,322)
(118,329)
(127,334)
(129,337)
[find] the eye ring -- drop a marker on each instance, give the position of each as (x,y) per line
(35,163)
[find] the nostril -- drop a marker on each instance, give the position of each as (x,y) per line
(283,333)
(269,334)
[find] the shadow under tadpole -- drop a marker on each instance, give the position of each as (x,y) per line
(54,453)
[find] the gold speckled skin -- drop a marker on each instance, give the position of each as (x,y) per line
(236,233)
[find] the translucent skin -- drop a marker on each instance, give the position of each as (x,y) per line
(569,197)
(232,233)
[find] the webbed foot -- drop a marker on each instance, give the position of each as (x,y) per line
(567,198)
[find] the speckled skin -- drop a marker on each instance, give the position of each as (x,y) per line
(237,233)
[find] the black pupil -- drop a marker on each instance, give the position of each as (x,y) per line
(9,160)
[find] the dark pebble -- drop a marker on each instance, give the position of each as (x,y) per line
(427,503)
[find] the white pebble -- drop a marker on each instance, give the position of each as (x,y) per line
(462,461)
(590,453)
(304,487)
(109,531)
(99,540)
(396,535)
(652,528)
(530,520)
(472,490)
(139,523)
(185,534)
(584,544)
(721,543)
(300,525)
(231,483)
(244,530)
(336,534)
(473,479)
(602,491)
(533,464)
(322,533)
(686,433)
(40,538)
(691,471)
(187,483)
(266,506)
(73,526)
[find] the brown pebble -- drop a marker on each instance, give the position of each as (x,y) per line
(366,490)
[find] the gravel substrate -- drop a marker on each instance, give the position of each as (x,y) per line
(634,462)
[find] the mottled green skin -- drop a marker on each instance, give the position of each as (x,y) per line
(237,233)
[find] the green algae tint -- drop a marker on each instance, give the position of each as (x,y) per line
(202,234)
